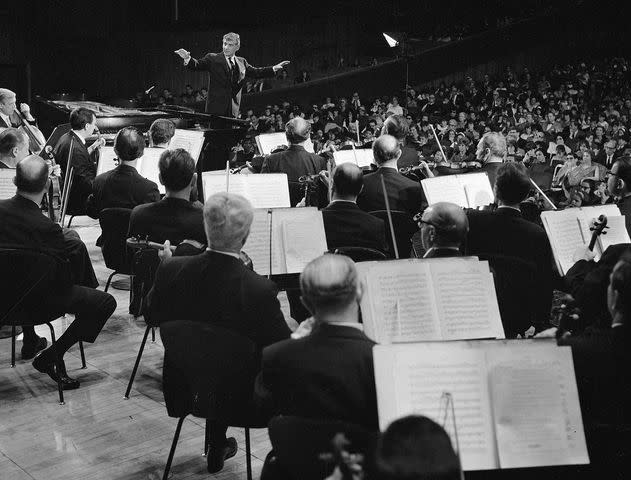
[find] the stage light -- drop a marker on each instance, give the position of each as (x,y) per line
(391,41)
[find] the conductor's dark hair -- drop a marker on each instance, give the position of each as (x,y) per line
(129,144)
(397,126)
(512,184)
(9,139)
(347,179)
(31,174)
(161,131)
(79,117)
(176,169)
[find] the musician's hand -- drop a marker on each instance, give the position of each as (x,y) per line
(193,243)
(302,202)
(583,253)
(281,65)
(166,251)
(549,333)
(26,111)
(184,54)
(99,142)
(425,167)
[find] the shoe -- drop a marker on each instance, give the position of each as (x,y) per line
(43,364)
(217,456)
(31,348)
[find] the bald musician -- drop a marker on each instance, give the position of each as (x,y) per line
(444,227)
(22,223)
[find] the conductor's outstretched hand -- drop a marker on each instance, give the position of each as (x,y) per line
(281,65)
(184,54)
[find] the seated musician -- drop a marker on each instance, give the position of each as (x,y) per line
(123,187)
(217,287)
(22,223)
(83,125)
(13,147)
(295,161)
(8,116)
(328,373)
(491,152)
(161,132)
(345,224)
(398,127)
(173,218)
(403,194)
(444,227)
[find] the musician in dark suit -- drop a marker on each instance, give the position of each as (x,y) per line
(328,373)
(295,161)
(345,224)
(505,232)
(8,105)
(123,187)
(13,147)
(491,152)
(444,227)
(619,184)
(217,287)
(82,124)
(403,194)
(226,75)
(175,217)
(398,127)
(22,224)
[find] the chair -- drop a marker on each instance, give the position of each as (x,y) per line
(115,225)
(297,444)
(404,229)
(209,372)
(361,254)
(30,276)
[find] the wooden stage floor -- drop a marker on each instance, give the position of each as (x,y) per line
(98,434)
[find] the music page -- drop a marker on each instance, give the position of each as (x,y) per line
(412,378)
(477,189)
(190,140)
(616,233)
(303,236)
(362,157)
(107,159)
(268,190)
(7,187)
(565,233)
(258,245)
(444,189)
(269,141)
(148,166)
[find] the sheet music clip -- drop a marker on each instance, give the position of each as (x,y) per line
(446,407)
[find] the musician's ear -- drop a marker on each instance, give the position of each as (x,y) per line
(621,185)
(193,180)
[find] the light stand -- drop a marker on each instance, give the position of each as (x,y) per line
(393,43)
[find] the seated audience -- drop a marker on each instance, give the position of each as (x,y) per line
(345,224)
(328,373)
(123,187)
(160,133)
(217,287)
(403,194)
(22,223)
(444,227)
(416,447)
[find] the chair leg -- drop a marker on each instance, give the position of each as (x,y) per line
(133,372)
(58,360)
(248,457)
(13,346)
(153,335)
(206,438)
(109,280)
(83,366)
(167,468)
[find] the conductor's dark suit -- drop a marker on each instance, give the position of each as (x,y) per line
(346,225)
(217,288)
(84,170)
(403,194)
(224,97)
(327,374)
(122,187)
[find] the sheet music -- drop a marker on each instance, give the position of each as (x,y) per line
(535,405)
(565,233)
(410,379)
(303,238)
(257,245)
(444,189)
(466,300)
(107,159)
(477,188)
(269,141)
(7,188)
(269,190)
(147,166)
(616,233)
(362,157)
(190,140)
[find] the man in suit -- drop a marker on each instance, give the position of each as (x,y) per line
(328,373)
(403,194)
(295,161)
(13,147)
(82,124)
(8,105)
(619,184)
(123,187)
(398,127)
(226,75)
(444,227)
(491,152)
(345,224)
(174,218)
(505,232)
(216,287)
(22,223)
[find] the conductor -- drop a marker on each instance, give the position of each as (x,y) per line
(227,74)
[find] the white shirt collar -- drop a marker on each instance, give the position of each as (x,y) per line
(344,201)
(230,254)
(6,119)
(356,325)
(229,59)
(80,137)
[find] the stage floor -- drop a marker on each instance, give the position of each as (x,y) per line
(98,434)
